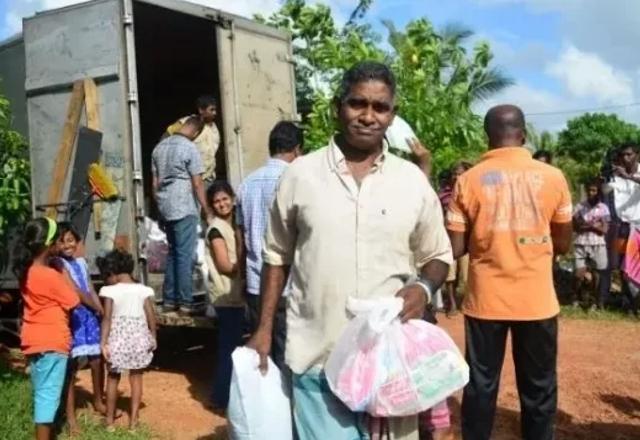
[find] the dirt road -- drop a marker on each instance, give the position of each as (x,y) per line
(599,380)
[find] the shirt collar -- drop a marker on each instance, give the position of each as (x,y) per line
(519,152)
(338,162)
(274,161)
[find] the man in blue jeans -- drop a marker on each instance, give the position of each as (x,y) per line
(178,188)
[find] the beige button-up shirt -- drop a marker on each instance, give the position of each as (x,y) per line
(342,240)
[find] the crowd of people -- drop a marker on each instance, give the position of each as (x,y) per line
(305,233)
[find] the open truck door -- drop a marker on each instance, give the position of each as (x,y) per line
(257,90)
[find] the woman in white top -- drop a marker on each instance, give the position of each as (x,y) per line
(128,329)
(226,275)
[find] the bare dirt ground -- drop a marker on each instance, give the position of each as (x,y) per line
(599,383)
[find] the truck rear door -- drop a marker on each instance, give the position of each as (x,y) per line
(62,46)
(257,89)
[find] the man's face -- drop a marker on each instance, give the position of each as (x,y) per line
(208,114)
(629,157)
(365,114)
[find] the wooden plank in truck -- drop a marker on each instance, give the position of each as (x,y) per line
(65,148)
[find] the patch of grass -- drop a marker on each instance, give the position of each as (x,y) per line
(571,312)
(16,414)
(15,405)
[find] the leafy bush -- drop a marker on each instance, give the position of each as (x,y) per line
(15,188)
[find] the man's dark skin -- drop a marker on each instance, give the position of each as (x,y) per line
(505,127)
(629,167)
(364,115)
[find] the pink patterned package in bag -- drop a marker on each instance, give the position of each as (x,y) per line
(390,369)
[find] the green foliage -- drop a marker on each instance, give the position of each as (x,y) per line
(16,412)
(438,80)
(582,146)
(14,174)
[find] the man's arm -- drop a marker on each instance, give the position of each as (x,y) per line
(459,243)
(432,276)
(154,187)
(198,188)
(277,254)
(561,226)
(272,282)
(432,254)
(561,234)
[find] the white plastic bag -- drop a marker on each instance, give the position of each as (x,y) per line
(259,407)
(398,133)
(390,369)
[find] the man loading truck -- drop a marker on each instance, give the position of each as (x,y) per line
(208,141)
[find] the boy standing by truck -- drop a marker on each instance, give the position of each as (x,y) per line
(178,188)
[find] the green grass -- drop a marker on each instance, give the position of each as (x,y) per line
(16,413)
(571,312)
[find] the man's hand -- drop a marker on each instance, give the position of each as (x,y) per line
(419,151)
(261,342)
(415,302)
(621,172)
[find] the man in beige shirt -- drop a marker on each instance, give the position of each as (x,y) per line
(349,220)
(208,141)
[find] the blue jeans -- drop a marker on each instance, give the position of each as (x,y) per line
(229,337)
(178,281)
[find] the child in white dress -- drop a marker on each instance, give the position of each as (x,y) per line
(128,329)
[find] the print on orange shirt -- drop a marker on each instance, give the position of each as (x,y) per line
(511,198)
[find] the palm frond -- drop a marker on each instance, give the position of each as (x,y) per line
(455,32)
(489,83)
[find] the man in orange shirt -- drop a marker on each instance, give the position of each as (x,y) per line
(511,213)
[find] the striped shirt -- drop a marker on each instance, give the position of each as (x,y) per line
(254,200)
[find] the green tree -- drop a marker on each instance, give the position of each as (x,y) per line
(586,140)
(14,179)
(544,140)
(438,80)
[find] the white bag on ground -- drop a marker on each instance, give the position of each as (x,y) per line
(390,369)
(259,407)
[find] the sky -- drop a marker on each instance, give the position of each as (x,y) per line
(565,56)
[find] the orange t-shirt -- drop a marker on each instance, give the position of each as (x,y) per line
(507,203)
(48,298)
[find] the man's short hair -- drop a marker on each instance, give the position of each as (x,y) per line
(195,122)
(284,138)
(205,101)
(366,71)
(504,120)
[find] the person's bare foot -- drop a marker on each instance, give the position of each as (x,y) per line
(100,408)
(134,424)
(74,428)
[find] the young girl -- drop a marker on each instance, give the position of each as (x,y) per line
(226,290)
(85,321)
(128,329)
(45,334)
